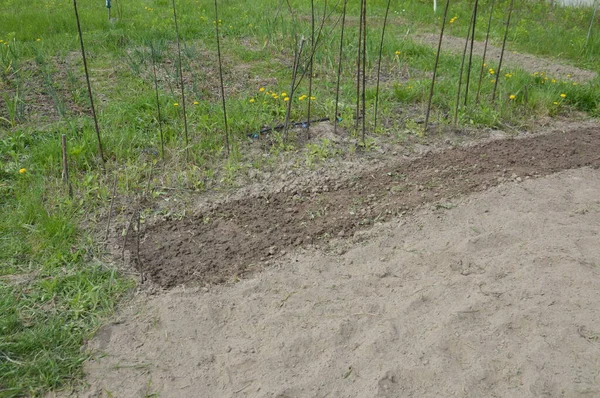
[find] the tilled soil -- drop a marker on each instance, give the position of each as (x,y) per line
(232,237)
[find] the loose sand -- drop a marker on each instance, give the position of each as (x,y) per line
(495,294)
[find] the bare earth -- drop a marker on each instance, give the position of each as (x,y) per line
(493,295)
(530,63)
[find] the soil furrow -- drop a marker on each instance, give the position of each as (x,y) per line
(228,240)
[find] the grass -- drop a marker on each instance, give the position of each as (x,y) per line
(56,282)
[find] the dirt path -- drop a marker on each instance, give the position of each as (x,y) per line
(235,237)
(496,296)
(530,63)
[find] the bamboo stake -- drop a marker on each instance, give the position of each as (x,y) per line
(187,152)
(471,52)
(462,67)
(510,10)
(337,90)
(89,85)
(387,11)
(435,67)
(221,79)
(159,118)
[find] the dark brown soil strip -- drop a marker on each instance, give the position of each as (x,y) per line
(213,247)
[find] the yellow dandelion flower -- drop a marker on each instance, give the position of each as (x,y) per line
(176,104)
(563,95)
(252,100)
(262,89)
(196,102)
(512,97)
(313,98)
(508,75)
(302,97)
(275,96)
(284,94)
(484,65)
(286,99)
(22,171)
(491,71)
(555,103)
(397,53)
(38,39)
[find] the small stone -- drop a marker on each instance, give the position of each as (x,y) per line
(272,250)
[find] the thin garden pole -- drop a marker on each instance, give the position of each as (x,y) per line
(337,89)
(65,164)
(108,6)
(487,39)
(112,205)
(435,67)
(471,52)
(159,118)
(510,10)
(589,33)
(358,63)
(292,89)
(387,10)
(221,79)
(364,73)
(310,67)
(89,85)
(187,151)
(462,67)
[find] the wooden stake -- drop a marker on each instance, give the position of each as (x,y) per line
(435,67)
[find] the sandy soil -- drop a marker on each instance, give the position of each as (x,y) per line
(531,63)
(495,295)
